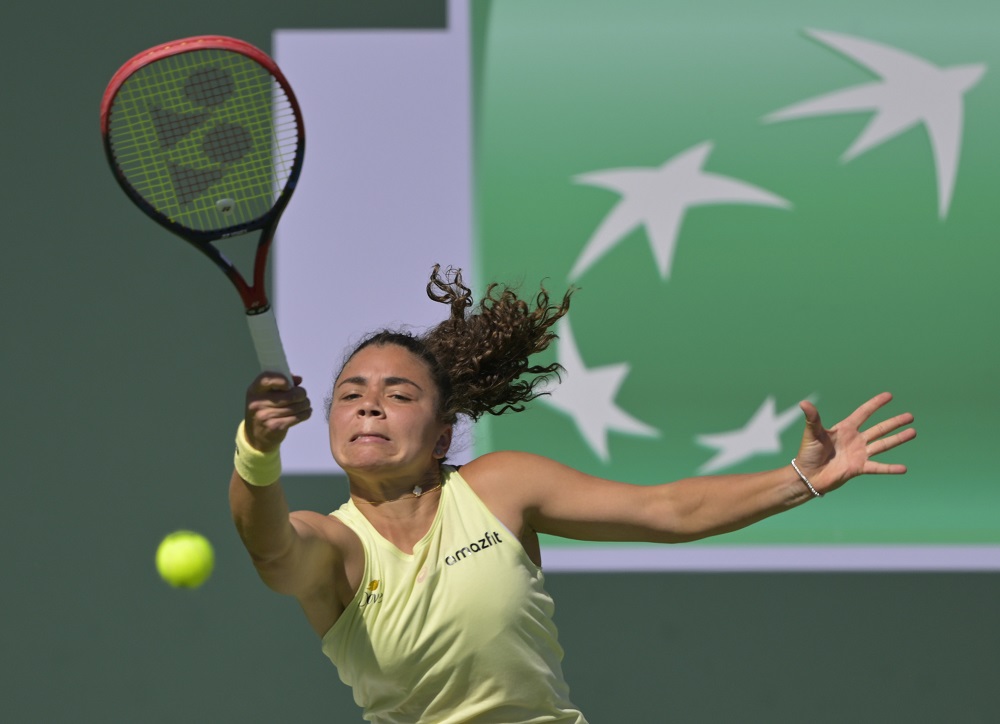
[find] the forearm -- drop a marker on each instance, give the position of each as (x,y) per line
(281,546)
(695,508)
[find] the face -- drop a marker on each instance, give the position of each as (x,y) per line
(383,419)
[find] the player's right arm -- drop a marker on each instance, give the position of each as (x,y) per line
(300,554)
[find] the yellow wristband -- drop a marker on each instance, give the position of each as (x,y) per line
(256,467)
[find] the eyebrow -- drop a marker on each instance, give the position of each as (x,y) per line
(389,381)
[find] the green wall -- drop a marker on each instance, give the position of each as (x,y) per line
(120,402)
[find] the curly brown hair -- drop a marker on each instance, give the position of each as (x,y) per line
(478,357)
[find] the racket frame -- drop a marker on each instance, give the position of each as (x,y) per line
(253,295)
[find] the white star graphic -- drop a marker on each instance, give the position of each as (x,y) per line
(588,396)
(762,434)
(658,198)
(911,91)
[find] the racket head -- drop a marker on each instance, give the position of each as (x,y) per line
(205,135)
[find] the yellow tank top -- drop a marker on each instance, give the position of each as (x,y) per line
(460,630)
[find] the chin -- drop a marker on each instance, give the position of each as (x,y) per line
(363,460)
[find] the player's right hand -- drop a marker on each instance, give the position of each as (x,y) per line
(272,407)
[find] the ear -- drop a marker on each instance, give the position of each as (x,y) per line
(443,443)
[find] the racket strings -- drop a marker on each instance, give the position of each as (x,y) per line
(209,139)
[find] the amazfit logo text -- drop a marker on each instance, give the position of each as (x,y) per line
(473,547)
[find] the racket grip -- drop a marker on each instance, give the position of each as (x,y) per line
(267,342)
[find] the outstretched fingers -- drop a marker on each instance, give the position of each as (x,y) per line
(886,426)
(874,467)
(857,418)
(877,443)
(879,446)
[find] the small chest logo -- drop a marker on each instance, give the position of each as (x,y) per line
(372,595)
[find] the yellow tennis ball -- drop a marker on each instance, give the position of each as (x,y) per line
(185,559)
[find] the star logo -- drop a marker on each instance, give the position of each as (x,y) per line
(911,91)
(762,434)
(588,396)
(658,198)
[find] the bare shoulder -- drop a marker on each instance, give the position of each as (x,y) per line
(501,473)
(309,523)
(497,464)
(507,464)
(522,472)
(518,482)
(545,496)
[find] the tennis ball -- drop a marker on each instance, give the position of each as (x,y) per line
(185,559)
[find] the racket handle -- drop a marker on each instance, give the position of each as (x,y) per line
(267,342)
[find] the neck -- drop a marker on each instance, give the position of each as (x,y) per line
(417,492)
(377,494)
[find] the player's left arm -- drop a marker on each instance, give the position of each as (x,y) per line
(552,498)
(559,500)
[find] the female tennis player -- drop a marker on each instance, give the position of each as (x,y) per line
(426,587)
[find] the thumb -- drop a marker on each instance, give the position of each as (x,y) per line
(813,423)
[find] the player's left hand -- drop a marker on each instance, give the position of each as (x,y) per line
(831,457)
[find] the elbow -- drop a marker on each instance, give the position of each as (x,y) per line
(272,561)
(274,573)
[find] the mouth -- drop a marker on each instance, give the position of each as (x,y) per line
(369,437)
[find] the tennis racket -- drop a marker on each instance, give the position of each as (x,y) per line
(204,134)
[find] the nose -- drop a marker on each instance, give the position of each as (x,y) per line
(369,407)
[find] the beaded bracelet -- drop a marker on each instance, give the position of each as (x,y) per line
(816,493)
